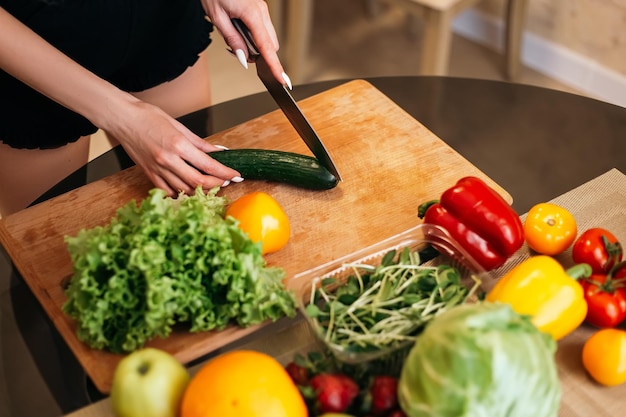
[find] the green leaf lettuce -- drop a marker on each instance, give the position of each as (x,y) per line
(168,261)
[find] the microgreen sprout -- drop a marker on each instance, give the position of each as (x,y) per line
(382,306)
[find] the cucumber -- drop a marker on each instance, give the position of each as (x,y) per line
(278,166)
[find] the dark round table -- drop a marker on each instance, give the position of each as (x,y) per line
(536,143)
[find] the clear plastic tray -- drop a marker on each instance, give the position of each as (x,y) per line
(422,238)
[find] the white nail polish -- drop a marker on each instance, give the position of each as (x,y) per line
(287,81)
(225,183)
(241,56)
(221,147)
(236,179)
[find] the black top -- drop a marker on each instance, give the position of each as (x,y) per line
(134,44)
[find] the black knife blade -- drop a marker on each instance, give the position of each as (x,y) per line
(286,102)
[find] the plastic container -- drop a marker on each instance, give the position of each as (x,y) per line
(422,238)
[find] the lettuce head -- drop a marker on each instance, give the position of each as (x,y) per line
(481,360)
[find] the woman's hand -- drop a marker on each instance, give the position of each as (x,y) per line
(255,15)
(172,157)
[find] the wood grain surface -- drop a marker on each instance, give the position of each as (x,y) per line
(389,161)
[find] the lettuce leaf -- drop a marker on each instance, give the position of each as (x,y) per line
(168,261)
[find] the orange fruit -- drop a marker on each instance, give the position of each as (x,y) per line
(263,219)
(604,356)
(242,383)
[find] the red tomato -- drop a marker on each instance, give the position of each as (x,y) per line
(619,273)
(606,300)
(599,248)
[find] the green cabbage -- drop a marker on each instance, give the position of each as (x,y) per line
(481,360)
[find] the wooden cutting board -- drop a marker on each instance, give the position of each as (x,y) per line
(390,163)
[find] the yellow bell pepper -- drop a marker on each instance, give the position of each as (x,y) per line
(541,288)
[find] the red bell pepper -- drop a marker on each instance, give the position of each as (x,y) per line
(479,219)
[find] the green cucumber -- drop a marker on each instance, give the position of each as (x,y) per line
(278,166)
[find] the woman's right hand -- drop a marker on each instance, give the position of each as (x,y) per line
(255,15)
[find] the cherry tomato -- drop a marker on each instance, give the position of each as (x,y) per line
(606,300)
(599,248)
(549,229)
(604,356)
(263,219)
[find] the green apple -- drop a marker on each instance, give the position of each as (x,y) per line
(148,382)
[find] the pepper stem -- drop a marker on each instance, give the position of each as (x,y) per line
(421,209)
(579,271)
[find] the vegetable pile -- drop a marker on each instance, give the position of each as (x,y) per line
(169,261)
(476,359)
(494,357)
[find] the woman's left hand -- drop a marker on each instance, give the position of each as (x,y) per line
(255,15)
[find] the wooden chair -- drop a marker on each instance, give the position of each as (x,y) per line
(294,20)
(438,16)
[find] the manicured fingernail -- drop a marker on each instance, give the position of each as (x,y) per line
(225,183)
(287,81)
(221,147)
(241,56)
(236,179)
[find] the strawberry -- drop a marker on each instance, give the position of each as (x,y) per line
(299,374)
(335,392)
(384,392)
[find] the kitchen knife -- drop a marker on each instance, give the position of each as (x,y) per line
(285,101)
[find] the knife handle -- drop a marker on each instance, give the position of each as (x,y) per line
(247,36)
